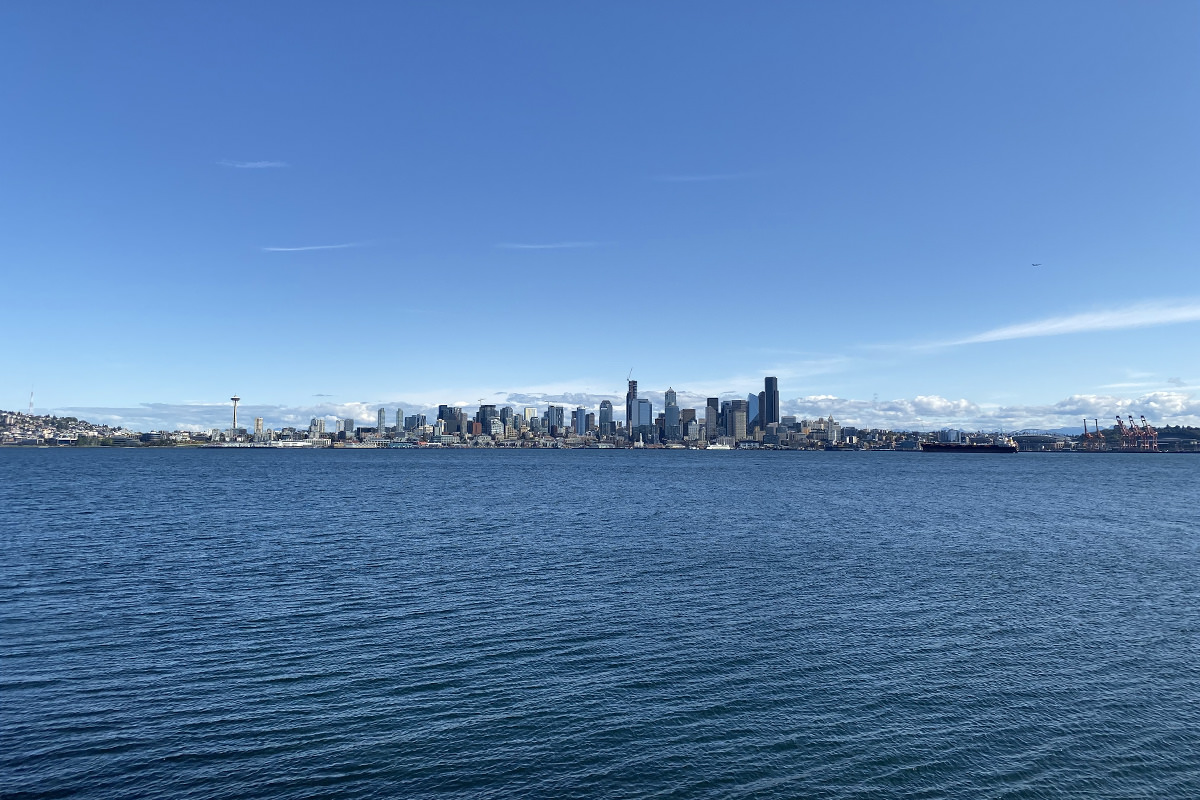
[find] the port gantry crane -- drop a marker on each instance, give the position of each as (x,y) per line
(1139,436)
(1128,437)
(1092,441)
(1149,435)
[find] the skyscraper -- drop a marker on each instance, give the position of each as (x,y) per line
(399,420)
(452,418)
(580,419)
(382,424)
(712,418)
(643,421)
(736,418)
(486,414)
(606,419)
(671,417)
(751,411)
(631,407)
(770,404)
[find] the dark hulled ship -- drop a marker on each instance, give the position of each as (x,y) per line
(1000,446)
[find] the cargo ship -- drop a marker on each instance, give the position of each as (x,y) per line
(1000,446)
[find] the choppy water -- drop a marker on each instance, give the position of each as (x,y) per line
(616,624)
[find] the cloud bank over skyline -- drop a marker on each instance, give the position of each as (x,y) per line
(923,412)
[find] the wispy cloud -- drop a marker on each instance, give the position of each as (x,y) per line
(547,246)
(311,247)
(254,164)
(703,177)
(1140,315)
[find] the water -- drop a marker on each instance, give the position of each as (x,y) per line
(594,623)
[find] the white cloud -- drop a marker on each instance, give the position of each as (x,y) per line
(1140,315)
(254,164)
(311,247)
(928,412)
(703,177)
(547,246)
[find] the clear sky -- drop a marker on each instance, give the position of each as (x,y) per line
(327,208)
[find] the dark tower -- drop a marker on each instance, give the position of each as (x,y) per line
(768,408)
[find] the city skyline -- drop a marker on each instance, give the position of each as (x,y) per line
(914,216)
(921,413)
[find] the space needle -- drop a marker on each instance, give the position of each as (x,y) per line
(235,400)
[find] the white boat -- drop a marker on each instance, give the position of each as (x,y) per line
(718,447)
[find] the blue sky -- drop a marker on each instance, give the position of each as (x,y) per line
(328,210)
